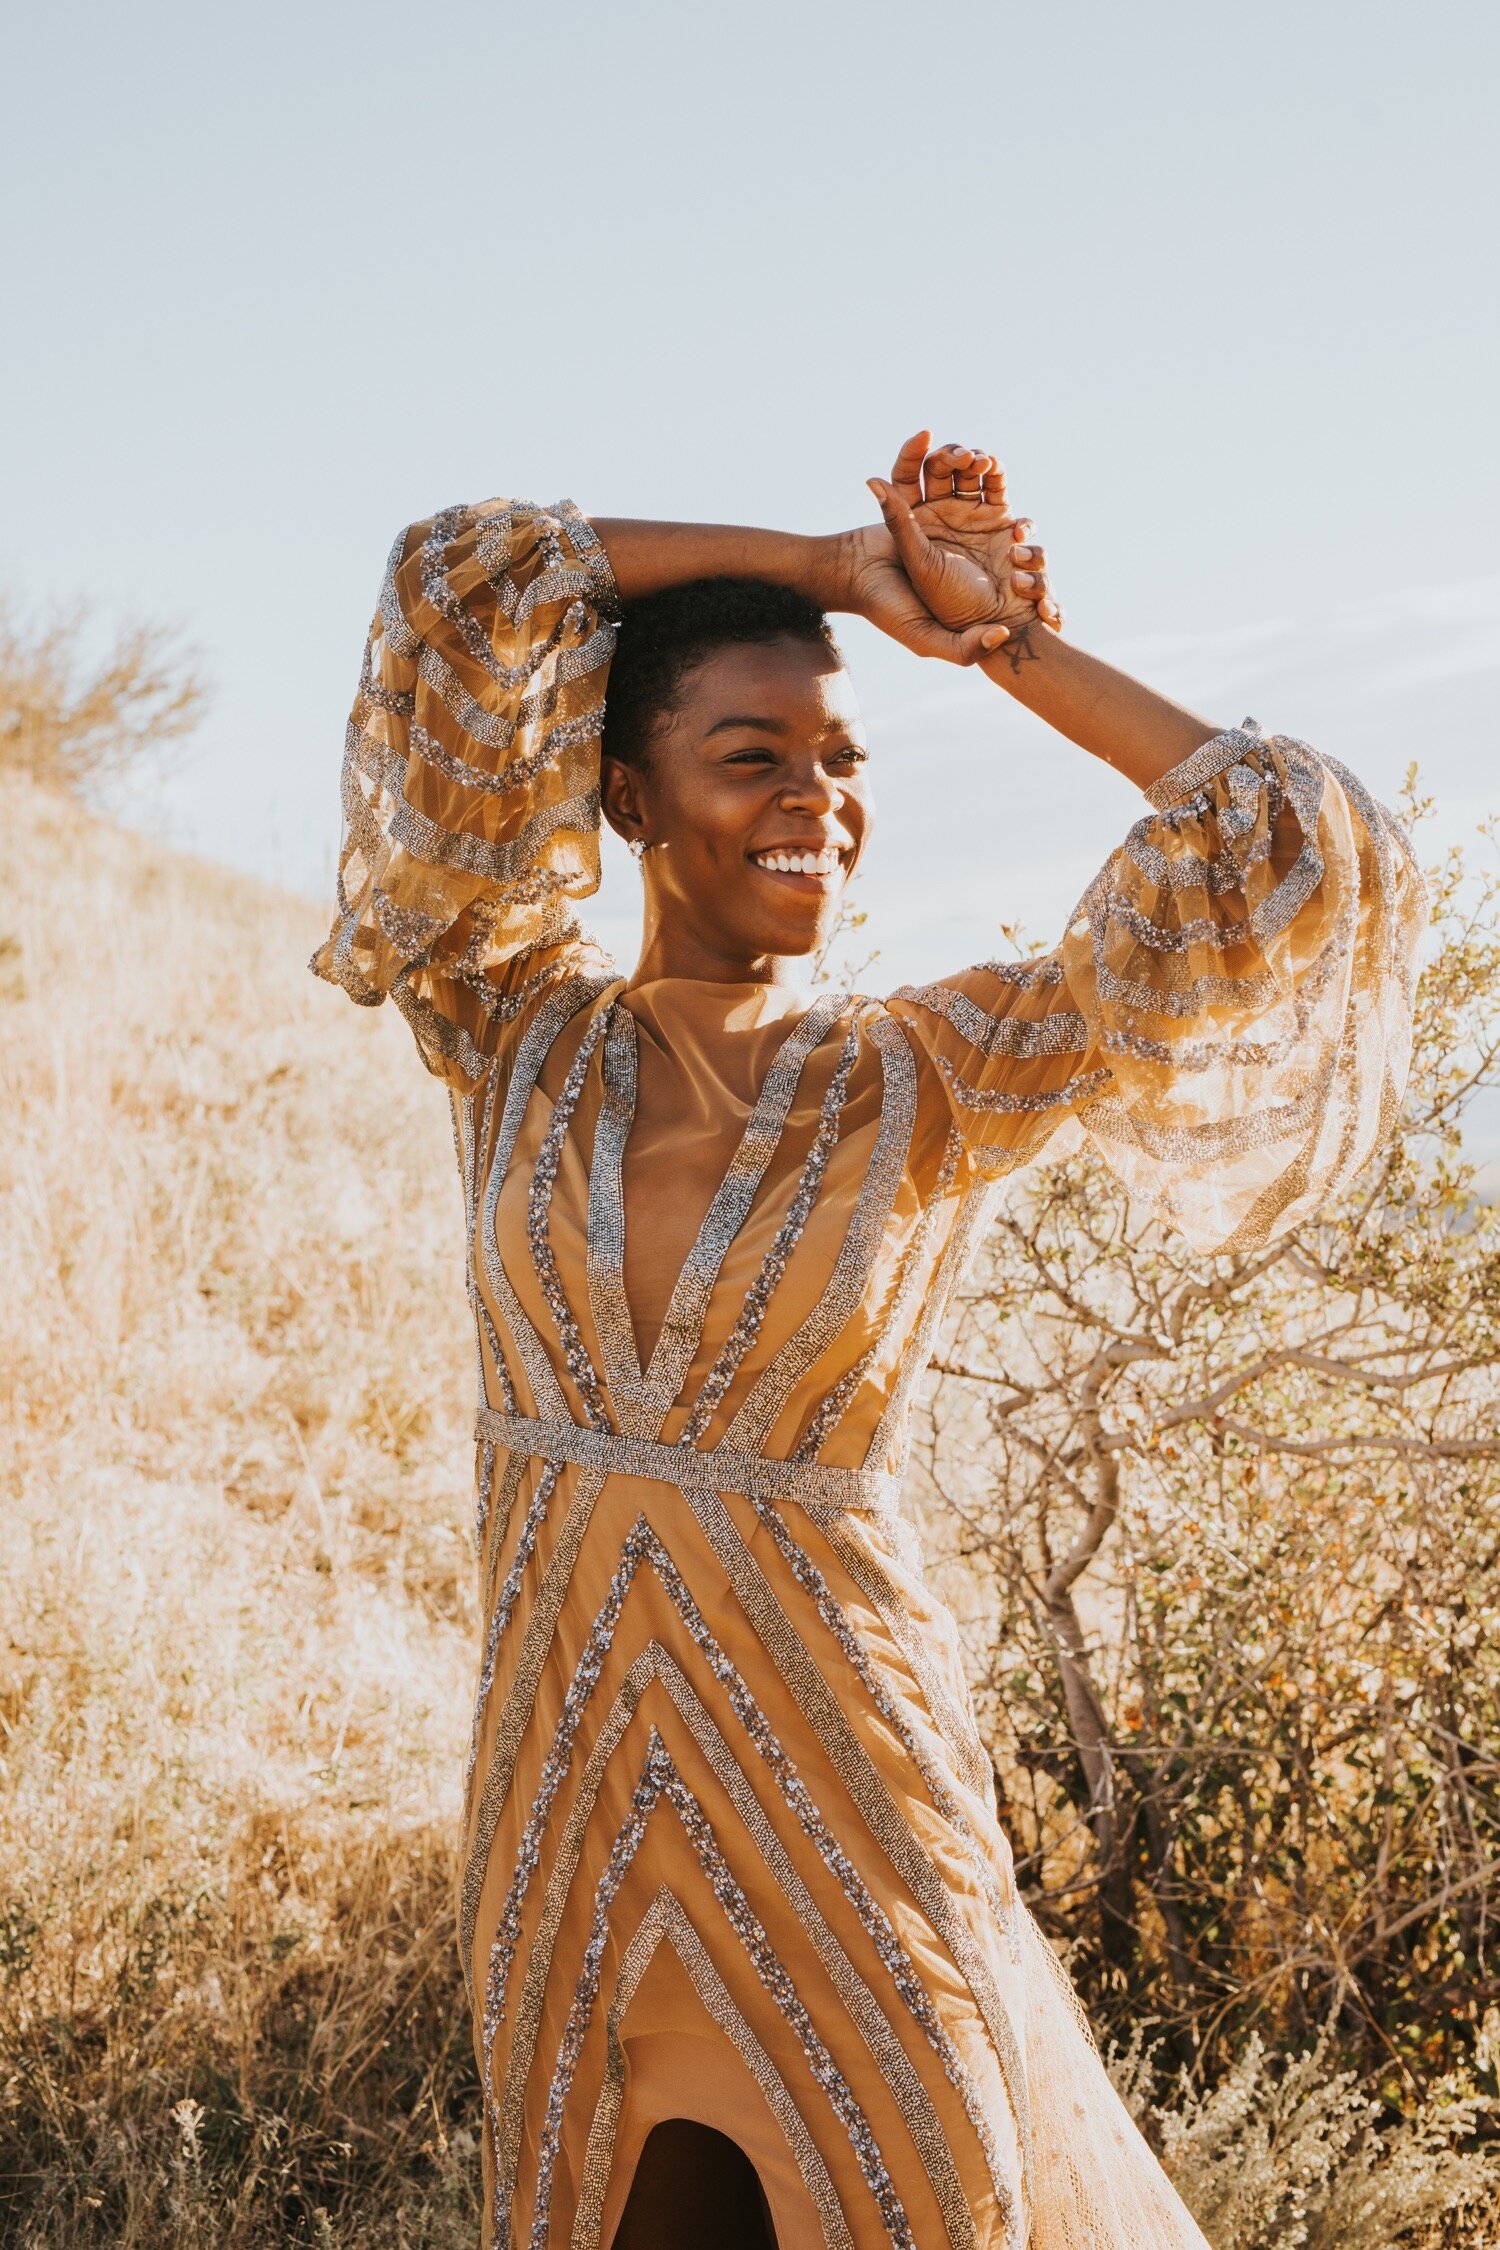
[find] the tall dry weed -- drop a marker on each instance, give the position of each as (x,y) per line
(1289,2153)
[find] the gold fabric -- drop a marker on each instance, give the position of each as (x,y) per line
(731,1851)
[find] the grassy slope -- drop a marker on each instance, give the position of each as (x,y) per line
(235,1629)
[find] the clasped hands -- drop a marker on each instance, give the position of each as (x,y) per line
(952,573)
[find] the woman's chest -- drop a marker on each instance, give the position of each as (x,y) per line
(759,1206)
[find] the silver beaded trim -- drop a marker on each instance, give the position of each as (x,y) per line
(505,1603)
(543,1179)
(863,1237)
(758,1296)
(996,1101)
(1062,1034)
(830,1412)
(531,1054)
(810,1485)
(1203,765)
(515,1715)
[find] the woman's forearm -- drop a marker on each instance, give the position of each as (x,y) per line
(649,557)
(1141,734)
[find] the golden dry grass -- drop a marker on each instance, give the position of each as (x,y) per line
(234,1626)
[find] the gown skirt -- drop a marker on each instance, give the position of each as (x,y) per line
(730,1850)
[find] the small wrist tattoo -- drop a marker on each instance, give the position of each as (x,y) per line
(1018,648)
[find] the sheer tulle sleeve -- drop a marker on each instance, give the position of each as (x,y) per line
(471,776)
(1228,1020)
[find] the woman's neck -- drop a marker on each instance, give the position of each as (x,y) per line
(672,951)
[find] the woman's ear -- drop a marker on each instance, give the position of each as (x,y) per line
(622,797)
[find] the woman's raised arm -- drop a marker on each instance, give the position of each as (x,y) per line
(857,572)
(1228,1017)
(967,556)
(1141,734)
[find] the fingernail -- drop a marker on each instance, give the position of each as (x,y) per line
(1024,578)
(1022,554)
(994,637)
(873,484)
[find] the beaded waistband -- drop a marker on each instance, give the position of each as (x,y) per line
(809,1484)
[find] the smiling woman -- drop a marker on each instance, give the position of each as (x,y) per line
(734,766)
(743,1940)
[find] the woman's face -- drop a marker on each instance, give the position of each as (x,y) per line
(762,762)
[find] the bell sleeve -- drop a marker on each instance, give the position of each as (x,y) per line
(471,777)
(1228,1020)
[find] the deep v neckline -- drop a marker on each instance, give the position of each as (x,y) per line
(643,1398)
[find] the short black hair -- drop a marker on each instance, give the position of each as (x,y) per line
(663,637)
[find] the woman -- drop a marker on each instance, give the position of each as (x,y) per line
(741,1933)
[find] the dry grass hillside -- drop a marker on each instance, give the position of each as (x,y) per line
(234,1586)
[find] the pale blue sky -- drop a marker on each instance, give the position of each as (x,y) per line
(1217,281)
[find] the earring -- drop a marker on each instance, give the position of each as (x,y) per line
(637,849)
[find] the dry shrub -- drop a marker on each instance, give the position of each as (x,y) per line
(1289,2154)
(75,715)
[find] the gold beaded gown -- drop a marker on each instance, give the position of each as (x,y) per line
(730,1849)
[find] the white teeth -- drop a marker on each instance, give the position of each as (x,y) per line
(799,863)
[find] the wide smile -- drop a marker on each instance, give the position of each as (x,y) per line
(805,868)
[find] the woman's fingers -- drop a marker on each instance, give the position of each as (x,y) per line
(906,475)
(912,545)
(939,468)
(966,645)
(977,475)
(979,641)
